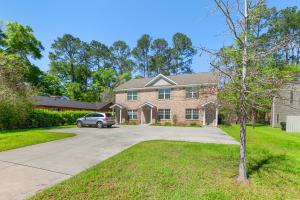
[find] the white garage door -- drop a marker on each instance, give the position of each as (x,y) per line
(293,124)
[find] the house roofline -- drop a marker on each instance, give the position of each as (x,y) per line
(164,86)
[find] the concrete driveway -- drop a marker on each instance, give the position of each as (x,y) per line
(27,170)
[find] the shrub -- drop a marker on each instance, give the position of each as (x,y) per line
(45,118)
(194,124)
(156,124)
(168,124)
(130,123)
(14,112)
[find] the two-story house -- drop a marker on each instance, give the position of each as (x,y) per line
(189,98)
(286,104)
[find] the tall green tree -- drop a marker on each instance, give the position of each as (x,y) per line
(142,54)
(286,23)
(104,81)
(99,54)
(65,57)
(20,40)
(182,54)
(70,60)
(50,85)
(121,57)
(160,59)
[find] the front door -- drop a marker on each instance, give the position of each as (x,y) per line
(210,114)
(147,114)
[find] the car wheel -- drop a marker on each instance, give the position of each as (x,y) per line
(99,125)
(79,124)
(109,126)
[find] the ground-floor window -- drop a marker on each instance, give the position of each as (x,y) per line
(191,114)
(132,114)
(164,114)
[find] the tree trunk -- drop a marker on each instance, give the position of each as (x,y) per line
(242,166)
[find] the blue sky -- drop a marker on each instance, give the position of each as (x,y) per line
(111,20)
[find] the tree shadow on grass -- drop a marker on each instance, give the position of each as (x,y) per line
(269,161)
(279,166)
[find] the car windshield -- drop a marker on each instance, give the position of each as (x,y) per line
(108,114)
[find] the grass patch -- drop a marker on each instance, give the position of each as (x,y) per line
(25,137)
(184,170)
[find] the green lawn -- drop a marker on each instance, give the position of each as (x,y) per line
(20,138)
(183,170)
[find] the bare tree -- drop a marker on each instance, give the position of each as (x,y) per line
(242,166)
(245,64)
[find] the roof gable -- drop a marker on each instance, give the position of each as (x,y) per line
(160,80)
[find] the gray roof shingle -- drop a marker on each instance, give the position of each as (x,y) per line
(63,103)
(184,79)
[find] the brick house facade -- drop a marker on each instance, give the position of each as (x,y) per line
(179,99)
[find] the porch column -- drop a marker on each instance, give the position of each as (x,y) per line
(204,117)
(142,116)
(151,115)
(120,116)
(217,113)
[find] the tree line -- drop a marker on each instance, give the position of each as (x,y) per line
(89,71)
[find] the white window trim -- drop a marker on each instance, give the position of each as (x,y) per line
(130,113)
(132,95)
(194,93)
(164,113)
(192,113)
(164,93)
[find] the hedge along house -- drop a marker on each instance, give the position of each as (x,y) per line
(189,98)
(60,104)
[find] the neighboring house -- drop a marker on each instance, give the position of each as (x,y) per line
(286,104)
(189,98)
(62,104)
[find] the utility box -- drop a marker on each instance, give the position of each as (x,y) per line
(293,124)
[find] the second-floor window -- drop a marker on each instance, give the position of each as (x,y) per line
(132,95)
(192,92)
(164,114)
(132,114)
(191,114)
(164,93)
